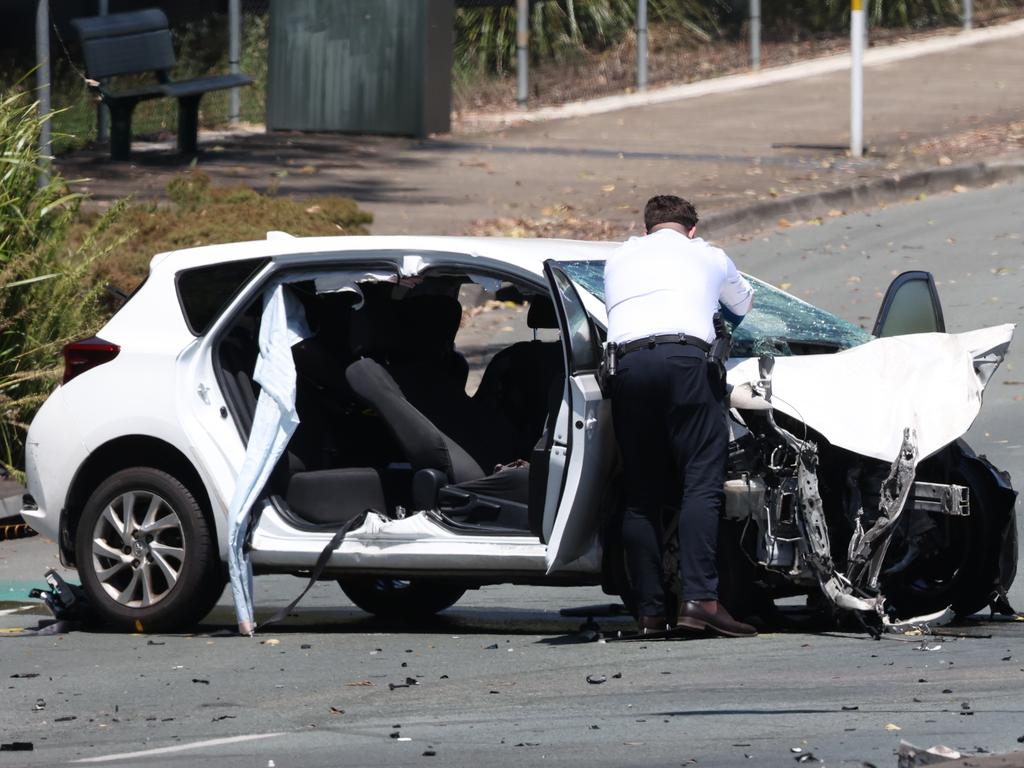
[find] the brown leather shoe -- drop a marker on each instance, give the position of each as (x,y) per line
(700,615)
(652,624)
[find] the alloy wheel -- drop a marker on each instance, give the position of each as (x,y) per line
(138,549)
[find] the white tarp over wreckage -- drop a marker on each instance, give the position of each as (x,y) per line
(862,398)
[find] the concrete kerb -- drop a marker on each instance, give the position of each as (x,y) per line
(888,189)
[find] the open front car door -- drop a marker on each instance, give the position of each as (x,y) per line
(588,442)
(911,305)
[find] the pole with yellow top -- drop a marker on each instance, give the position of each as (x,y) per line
(856,78)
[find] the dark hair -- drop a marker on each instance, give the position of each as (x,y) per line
(662,209)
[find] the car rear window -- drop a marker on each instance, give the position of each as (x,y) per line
(204,292)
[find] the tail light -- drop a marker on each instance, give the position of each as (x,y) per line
(80,356)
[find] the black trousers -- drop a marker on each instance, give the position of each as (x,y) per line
(672,433)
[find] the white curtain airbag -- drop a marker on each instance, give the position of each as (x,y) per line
(282,325)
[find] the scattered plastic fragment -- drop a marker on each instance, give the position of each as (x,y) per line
(852,708)
(222,717)
(910,756)
(305,646)
(200,681)
(17,746)
(492,647)
(65,719)
(617,676)
(155,642)
(395,734)
(892,727)
(404,738)
(806,758)
(947,690)
(25,675)
(393,686)
(796,749)
(596,679)
(39,705)
(337,711)
(925,647)
(429,753)
(361,684)
(270,641)
(411,681)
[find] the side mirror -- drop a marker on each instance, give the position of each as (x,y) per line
(911,305)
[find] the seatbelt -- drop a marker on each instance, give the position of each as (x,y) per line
(321,563)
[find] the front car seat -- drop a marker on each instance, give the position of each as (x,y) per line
(444,471)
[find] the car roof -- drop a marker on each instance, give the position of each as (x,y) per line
(528,253)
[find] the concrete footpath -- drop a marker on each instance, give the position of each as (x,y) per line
(746,149)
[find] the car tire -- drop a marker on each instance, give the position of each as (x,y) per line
(145,553)
(960,577)
(400,599)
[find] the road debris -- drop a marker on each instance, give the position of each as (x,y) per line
(17,746)
(596,679)
(910,756)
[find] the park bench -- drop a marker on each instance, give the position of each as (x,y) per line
(135,43)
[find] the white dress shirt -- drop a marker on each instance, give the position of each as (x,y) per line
(666,282)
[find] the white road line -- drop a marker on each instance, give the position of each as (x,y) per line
(178,748)
(9,611)
(730,83)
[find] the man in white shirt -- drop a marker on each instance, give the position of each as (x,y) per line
(661,292)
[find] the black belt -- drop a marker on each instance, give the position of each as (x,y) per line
(650,342)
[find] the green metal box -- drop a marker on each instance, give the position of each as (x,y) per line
(360,66)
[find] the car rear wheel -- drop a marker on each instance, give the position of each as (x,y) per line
(400,599)
(145,553)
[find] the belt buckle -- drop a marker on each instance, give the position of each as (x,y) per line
(652,342)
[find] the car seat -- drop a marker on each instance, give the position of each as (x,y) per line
(320,498)
(518,378)
(446,476)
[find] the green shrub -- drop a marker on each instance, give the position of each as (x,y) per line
(203,214)
(485,38)
(45,294)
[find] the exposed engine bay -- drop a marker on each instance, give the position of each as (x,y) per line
(884,541)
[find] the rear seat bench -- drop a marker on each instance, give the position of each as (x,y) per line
(135,43)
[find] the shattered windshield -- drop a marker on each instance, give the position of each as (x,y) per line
(779,324)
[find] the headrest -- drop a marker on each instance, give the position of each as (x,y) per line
(430,318)
(541,313)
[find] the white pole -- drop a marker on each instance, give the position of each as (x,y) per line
(641,45)
(856,78)
(755,34)
(522,50)
(968,15)
(234,57)
(43,84)
(102,113)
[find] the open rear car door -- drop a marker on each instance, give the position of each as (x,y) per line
(588,441)
(911,305)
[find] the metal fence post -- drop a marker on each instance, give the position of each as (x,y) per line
(522,51)
(856,78)
(641,45)
(968,14)
(43,86)
(234,57)
(755,34)
(102,113)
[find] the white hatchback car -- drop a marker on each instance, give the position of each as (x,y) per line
(469,461)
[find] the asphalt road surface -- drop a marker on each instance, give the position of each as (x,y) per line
(499,681)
